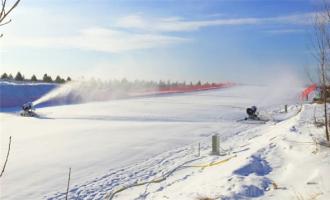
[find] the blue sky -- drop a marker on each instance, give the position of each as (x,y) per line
(209,40)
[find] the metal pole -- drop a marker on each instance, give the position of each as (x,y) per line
(199,149)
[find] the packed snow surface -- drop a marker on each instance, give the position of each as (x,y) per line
(115,144)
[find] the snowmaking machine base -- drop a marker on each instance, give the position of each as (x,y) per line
(28,114)
(253,121)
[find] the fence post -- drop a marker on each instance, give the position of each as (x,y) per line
(68,186)
(215,145)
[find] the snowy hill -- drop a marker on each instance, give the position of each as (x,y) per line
(14,94)
(114,144)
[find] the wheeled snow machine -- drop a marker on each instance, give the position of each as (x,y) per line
(28,110)
(252,113)
(253,117)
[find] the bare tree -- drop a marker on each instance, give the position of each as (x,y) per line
(68,185)
(6,160)
(322,46)
(5,11)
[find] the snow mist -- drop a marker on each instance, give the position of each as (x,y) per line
(88,91)
(284,88)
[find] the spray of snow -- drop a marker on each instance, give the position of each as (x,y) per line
(87,91)
(61,91)
(284,89)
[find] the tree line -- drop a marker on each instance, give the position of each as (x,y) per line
(46,78)
(125,84)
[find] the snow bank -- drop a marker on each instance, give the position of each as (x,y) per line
(267,162)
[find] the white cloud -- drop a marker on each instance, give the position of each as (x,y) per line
(97,39)
(177,24)
(285,31)
(132,32)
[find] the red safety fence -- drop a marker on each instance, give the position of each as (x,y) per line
(308,90)
(182,89)
(192,88)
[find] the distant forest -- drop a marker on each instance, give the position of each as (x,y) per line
(46,78)
(124,83)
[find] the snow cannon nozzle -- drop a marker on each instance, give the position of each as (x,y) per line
(28,110)
(27,106)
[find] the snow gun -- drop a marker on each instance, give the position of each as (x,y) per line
(252,113)
(28,110)
(253,117)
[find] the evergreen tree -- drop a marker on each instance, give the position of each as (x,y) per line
(44,78)
(161,84)
(19,77)
(34,78)
(168,84)
(59,80)
(4,76)
(47,79)
(10,77)
(68,79)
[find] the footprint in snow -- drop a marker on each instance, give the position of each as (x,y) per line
(256,165)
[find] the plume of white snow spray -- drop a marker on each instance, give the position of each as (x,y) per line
(87,91)
(283,88)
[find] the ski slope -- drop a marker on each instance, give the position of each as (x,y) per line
(112,144)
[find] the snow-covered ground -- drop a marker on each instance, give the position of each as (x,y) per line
(115,144)
(275,161)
